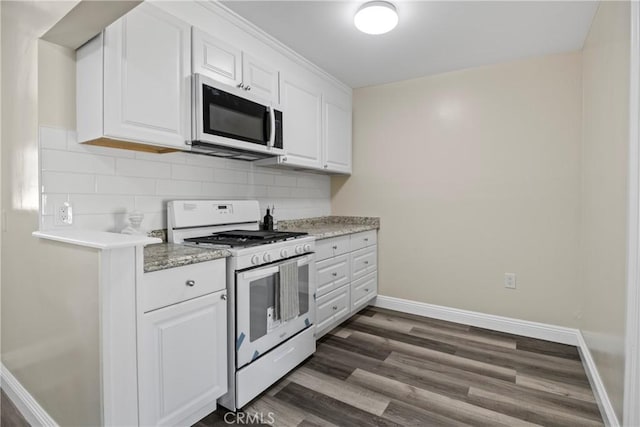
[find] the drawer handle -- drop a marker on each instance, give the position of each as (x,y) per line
(366,239)
(335,307)
(223,297)
(366,289)
(366,262)
(334,274)
(335,247)
(190,283)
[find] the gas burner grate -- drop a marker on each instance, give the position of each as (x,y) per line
(245,237)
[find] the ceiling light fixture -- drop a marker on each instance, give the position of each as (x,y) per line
(376,17)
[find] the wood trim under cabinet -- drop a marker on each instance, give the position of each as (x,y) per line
(128,145)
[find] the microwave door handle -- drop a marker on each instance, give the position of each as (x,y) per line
(272,118)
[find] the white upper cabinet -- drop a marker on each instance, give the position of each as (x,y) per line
(133,82)
(302,118)
(337,132)
(227,64)
(216,59)
(261,79)
(317,124)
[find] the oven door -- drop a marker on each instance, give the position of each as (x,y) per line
(230,117)
(258,326)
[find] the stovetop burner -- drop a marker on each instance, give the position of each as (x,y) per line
(244,238)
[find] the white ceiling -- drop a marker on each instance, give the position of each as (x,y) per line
(431,37)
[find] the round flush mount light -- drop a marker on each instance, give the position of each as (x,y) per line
(376,17)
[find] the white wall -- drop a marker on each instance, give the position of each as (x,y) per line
(604,162)
(103,184)
(474,173)
(49,311)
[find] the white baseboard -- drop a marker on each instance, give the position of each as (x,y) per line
(28,406)
(606,408)
(525,328)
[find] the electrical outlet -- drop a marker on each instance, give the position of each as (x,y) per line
(510,280)
(63,214)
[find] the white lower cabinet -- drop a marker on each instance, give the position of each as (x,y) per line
(346,277)
(362,290)
(182,356)
(331,309)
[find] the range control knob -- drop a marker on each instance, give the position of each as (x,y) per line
(299,249)
(284,253)
(307,248)
(255,260)
(266,257)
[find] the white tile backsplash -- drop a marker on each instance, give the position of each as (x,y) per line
(67,182)
(104,184)
(62,160)
(143,168)
(191,172)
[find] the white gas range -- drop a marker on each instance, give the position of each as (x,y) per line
(271,290)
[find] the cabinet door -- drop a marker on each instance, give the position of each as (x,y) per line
(182,360)
(216,59)
(337,133)
(260,79)
(302,117)
(147,64)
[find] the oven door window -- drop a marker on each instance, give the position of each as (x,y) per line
(230,116)
(259,325)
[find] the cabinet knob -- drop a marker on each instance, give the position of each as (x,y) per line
(335,307)
(284,159)
(326,166)
(241,85)
(190,283)
(224,296)
(366,239)
(334,247)
(366,262)
(247,87)
(366,289)
(334,274)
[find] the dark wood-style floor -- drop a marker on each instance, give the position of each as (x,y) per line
(384,368)
(9,414)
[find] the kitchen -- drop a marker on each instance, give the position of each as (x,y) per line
(477,205)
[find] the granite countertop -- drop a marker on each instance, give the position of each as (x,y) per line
(330,226)
(169,255)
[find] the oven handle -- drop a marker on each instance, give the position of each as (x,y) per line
(273,268)
(272,119)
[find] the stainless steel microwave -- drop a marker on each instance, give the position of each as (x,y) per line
(229,122)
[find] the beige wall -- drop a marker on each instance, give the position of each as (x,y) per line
(49,311)
(474,173)
(604,192)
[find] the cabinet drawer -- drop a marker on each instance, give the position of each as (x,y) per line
(332,247)
(364,239)
(171,286)
(331,307)
(363,290)
(331,274)
(363,261)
